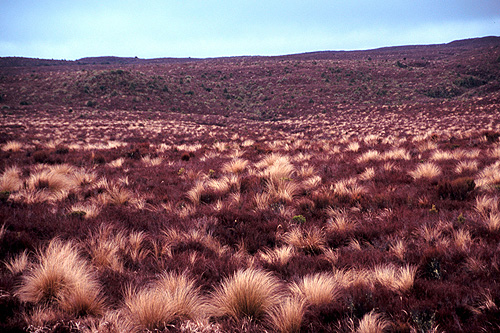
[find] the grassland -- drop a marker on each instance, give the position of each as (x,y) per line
(315,193)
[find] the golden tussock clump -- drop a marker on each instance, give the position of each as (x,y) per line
(13,146)
(318,289)
(248,293)
(368,174)
(236,166)
(105,248)
(288,315)
(353,146)
(279,256)
(339,220)
(397,279)
(463,166)
(61,276)
(18,263)
(373,322)
(426,170)
(349,188)
(311,241)
(276,167)
(396,154)
(371,155)
(85,210)
(11,179)
(489,176)
(150,161)
(171,298)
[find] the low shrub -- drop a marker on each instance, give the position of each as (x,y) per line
(457,189)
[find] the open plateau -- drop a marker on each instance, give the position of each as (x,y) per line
(343,191)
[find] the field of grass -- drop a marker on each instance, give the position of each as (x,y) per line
(358,193)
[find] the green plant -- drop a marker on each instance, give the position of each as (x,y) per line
(298,219)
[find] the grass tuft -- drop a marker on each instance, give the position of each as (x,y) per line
(248,293)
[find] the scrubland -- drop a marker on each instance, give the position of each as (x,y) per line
(373,214)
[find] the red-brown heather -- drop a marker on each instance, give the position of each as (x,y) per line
(322,192)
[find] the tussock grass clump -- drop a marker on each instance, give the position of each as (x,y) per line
(287,316)
(463,166)
(173,297)
(368,174)
(283,190)
(236,166)
(311,240)
(85,210)
(489,176)
(276,168)
(396,154)
(373,322)
(426,170)
(105,248)
(350,188)
(10,180)
(339,220)
(12,146)
(63,277)
(279,256)
(371,155)
(397,279)
(353,146)
(318,289)
(151,161)
(18,263)
(248,293)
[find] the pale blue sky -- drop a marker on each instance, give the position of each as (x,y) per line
(72,29)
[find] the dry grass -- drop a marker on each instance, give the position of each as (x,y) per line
(118,163)
(105,248)
(279,256)
(368,174)
(396,154)
(371,155)
(339,220)
(171,298)
(135,248)
(261,201)
(353,146)
(311,240)
(317,289)
(349,188)
(283,190)
(426,170)
(11,180)
(87,210)
(463,166)
(248,293)
(397,279)
(373,322)
(18,263)
(287,316)
(276,168)
(149,161)
(62,276)
(489,176)
(493,222)
(236,166)
(398,248)
(13,146)
(485,205)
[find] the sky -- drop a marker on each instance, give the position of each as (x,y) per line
(73,29)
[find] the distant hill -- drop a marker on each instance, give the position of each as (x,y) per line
(317,55)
